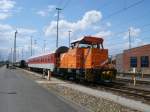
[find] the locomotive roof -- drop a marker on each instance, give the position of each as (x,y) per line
(89,40)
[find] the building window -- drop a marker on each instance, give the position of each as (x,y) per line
(133,61)
(144,61)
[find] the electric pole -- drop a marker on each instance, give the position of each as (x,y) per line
(0,57)
(69,36)
(129,38)
(22,53)
(58,11)
(14,54)
(18,54)
(11,56)
(31,45)
(34,47)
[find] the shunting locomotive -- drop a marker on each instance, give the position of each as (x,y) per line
(86,59)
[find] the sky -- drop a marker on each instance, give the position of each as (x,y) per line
(108,19)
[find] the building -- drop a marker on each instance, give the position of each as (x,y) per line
(137,57)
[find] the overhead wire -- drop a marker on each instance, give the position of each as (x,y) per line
(123,9)
(121,43)
(59,3)
(123,32)
(66,4)
(120,24)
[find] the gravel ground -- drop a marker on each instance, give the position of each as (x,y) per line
(94,104)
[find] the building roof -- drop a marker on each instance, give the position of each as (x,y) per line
(138,47)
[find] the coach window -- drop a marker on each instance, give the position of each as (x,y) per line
(144,61)
(133,61)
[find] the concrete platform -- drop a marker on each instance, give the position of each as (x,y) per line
(52,79)
(20,94)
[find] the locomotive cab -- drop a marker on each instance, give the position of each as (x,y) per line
(86,59)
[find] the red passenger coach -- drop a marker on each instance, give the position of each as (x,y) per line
(43,61)
(47,61)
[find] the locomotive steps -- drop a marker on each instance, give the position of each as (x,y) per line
(93,99)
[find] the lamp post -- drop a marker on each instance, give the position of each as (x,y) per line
(58,11)
(69,36)
(14,54)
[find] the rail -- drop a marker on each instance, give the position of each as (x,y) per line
(134,93)
(123,80)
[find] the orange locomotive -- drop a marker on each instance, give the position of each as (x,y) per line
(86,60)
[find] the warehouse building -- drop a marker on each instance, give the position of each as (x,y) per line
(138,57)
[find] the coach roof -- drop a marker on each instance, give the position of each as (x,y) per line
(40,55)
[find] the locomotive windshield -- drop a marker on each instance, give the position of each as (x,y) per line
(88,46)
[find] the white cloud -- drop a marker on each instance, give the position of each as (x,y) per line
(42,13)
(108,24)
(134,32)
(51,8)
(6,7)
(103,33)
(26,31)
(4,27)
(4,15)
(89,19)
(135,39)
(7,36)
(135,43)
(7,31)
(46,11)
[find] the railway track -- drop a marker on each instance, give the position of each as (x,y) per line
(118,88)
(130,81)
(133,93)
(121,90)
